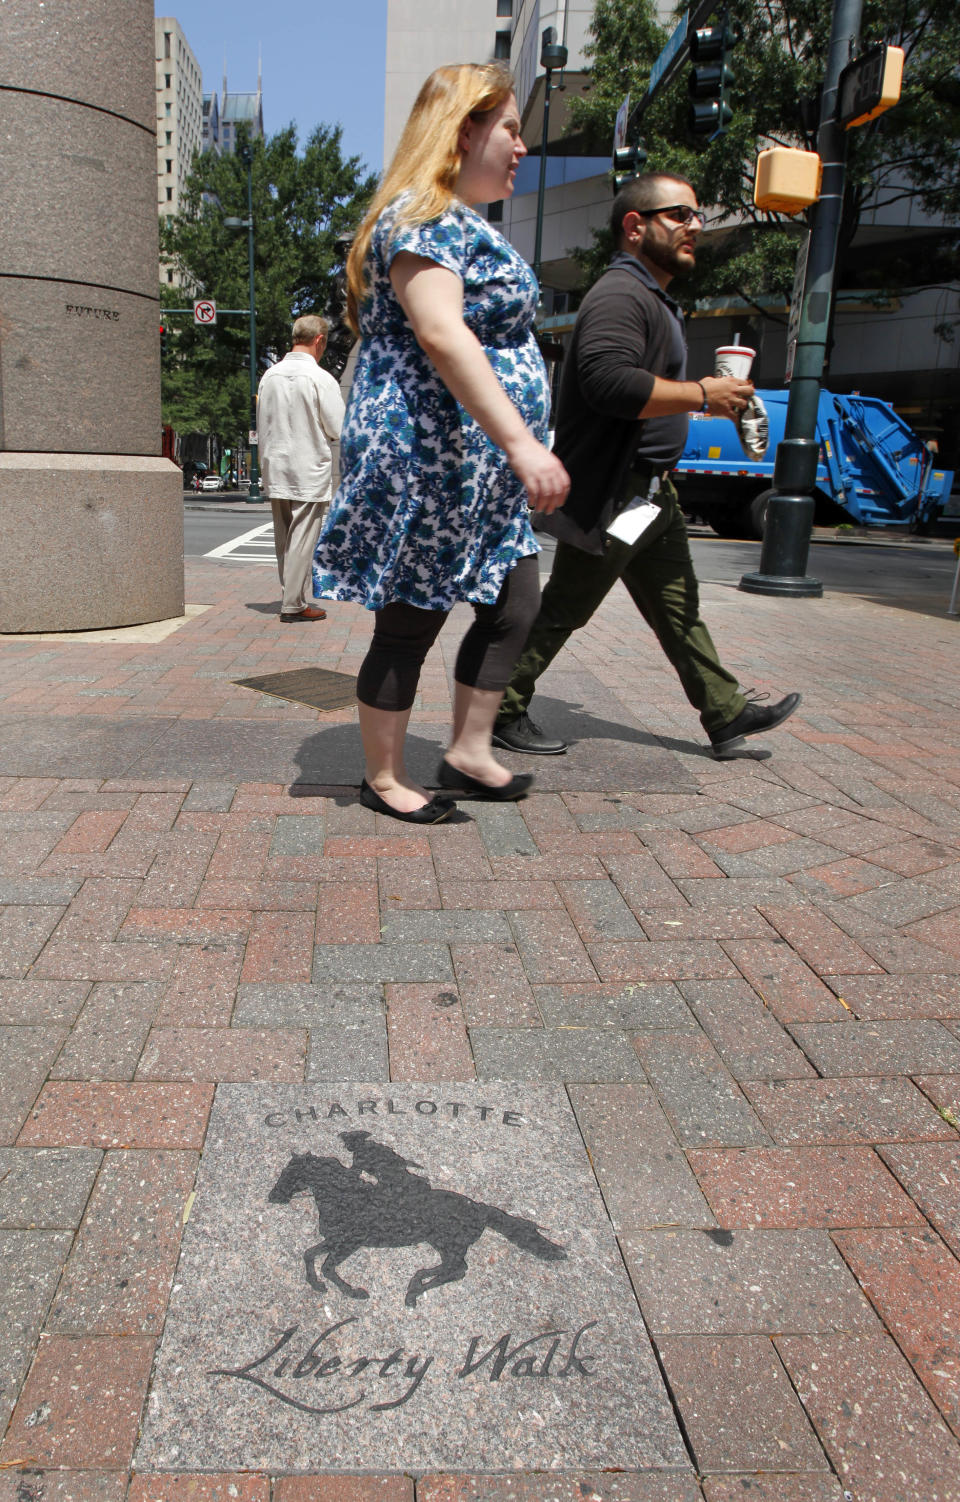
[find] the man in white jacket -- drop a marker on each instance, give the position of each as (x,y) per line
(299,416)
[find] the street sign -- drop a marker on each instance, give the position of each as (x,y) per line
(669,52)
(252,436)
(796,305)
(870,84)
(205,311)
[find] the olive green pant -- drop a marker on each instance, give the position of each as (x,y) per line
(658,573)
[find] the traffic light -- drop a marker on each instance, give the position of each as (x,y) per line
(711,80)
(628,163)
(163,341)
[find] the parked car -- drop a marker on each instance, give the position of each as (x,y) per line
(211,482)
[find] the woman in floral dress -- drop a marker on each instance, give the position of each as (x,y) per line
(442,450)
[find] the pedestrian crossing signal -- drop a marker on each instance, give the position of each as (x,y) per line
(870,84)
(787,180)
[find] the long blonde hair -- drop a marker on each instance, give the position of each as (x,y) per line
(426,163)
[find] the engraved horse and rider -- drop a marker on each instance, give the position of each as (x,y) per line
(378,1202)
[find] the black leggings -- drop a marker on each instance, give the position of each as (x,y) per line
(403,635)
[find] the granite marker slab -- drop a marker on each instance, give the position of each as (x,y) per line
(401,1277)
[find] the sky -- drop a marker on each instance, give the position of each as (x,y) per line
(323,61)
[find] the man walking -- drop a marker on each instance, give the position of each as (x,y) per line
(299,416)
(621,427)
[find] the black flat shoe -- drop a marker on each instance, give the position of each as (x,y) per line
(462,782)
(433,812)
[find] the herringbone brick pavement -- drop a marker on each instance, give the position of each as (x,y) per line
(746,976)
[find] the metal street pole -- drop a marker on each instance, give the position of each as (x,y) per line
(254,492)
(542,182)
(786,533)
(552,55)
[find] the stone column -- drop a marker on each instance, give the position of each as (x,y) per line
(92,516)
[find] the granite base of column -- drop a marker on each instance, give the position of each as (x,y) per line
(91,541)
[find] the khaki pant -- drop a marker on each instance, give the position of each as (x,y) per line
(296,527)
(659,576)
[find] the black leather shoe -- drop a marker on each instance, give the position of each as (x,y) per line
(753,719)
(462,782)
(522,734)
(433,812)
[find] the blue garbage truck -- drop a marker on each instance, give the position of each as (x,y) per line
(873,470)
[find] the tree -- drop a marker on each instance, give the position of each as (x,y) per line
(305,209)
(911,152)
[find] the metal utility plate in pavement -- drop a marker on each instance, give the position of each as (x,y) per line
(532,1356)
(319,687)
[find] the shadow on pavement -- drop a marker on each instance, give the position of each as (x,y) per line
(602,758)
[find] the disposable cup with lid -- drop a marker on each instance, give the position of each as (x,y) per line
(734,360)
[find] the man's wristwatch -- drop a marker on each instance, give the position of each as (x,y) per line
(706,399)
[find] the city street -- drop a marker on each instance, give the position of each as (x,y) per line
(907,573)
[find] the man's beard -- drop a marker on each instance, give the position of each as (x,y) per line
(667,257)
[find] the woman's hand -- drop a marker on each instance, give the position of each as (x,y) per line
(540,472)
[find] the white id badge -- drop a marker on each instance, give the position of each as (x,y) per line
(633,520)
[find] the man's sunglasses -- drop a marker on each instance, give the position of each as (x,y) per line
(680,213)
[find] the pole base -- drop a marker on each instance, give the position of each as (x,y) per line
(799,587)
(117,517)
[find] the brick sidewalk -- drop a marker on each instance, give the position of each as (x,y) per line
(746,977)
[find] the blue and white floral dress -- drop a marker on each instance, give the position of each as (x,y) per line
(428,510)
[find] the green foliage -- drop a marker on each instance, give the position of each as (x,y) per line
(304,207)
(912,151)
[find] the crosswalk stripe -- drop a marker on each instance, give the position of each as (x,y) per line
(250,547)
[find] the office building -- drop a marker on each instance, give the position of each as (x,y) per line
(222,114)
(421,38)
(210,139)
(240,109)
(179,111)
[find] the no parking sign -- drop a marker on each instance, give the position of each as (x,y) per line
(205,311)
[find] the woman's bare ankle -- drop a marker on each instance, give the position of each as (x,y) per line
(401,792)
(483,768)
